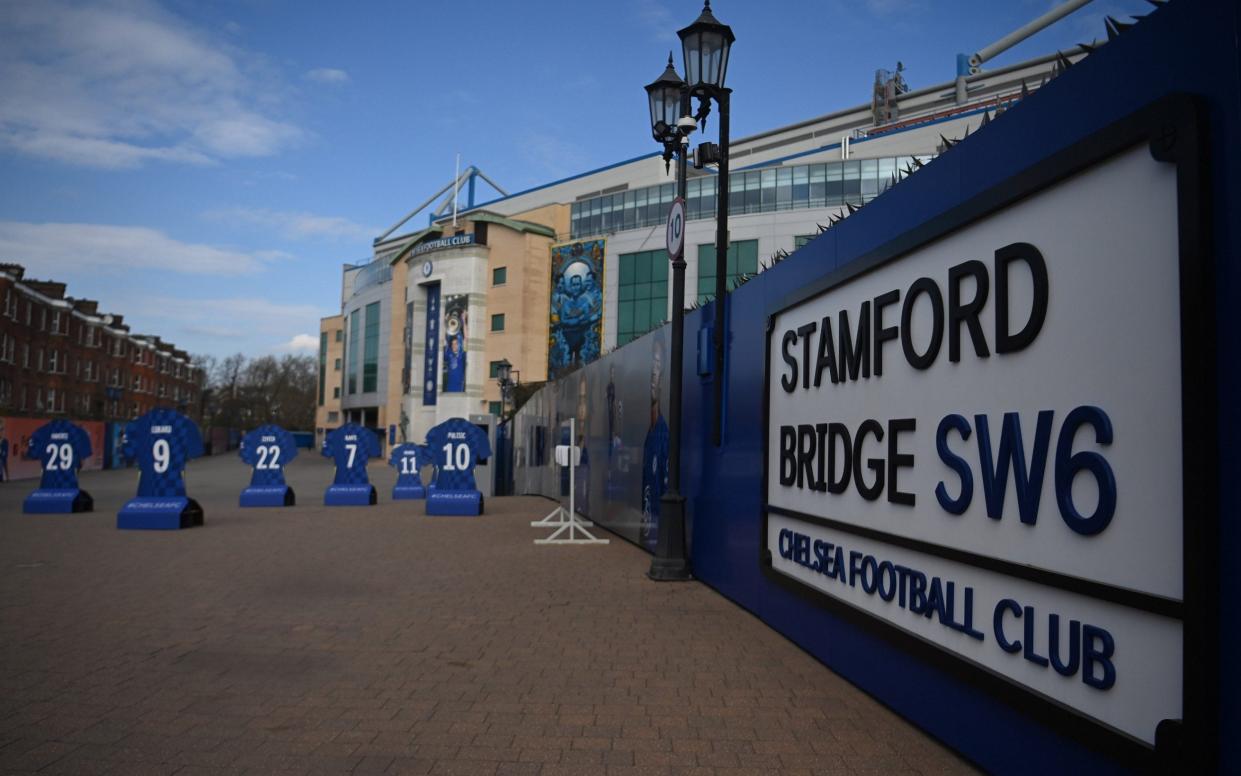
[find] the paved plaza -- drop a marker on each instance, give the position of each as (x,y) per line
(378,640)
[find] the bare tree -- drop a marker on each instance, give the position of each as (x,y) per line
(243,393)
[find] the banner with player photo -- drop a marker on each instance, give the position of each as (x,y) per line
(431,336)
(575,331)
(456,333)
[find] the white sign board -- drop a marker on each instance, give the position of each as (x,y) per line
(675,229)
(980,443)
(567,453)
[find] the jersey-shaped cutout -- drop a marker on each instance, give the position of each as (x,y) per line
(162,442)
(60,447)
(351,446)
(408,459)
(268,449)
(456,445)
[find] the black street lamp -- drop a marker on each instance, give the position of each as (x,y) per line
(671,125)
(504,376)
(706,44)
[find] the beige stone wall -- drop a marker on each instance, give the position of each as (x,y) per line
(334,327)
(524,299)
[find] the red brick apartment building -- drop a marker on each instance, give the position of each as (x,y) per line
(60,356)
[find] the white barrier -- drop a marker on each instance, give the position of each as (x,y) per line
(567,519)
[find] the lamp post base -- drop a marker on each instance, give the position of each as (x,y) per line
(670,563)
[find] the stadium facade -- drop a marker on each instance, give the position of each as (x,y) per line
(551,277)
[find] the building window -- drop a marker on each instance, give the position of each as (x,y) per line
(642,294)
(340,335)
(497,322)
(742,260)
(338,365)
(493,407)
(333,416)
(800,240)
(355,342)
(499,276)
(370,356)
(336,392)
(493,370)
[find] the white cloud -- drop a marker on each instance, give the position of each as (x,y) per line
(302,342)
(328,75)
(59,250)
(122,83)
(296,225)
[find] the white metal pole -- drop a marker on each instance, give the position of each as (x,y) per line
(572,473)
(456,186)
(1021,33)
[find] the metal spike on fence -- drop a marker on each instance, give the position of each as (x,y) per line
(1115,27)
(1025,90)
(1064,62)
(986,118)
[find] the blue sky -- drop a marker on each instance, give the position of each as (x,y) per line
(205,168)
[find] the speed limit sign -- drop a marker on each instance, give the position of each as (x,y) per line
(675,241)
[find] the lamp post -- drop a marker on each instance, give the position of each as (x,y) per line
(671,125)
(504,373)
(705,45)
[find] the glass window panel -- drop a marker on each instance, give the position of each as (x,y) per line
(801,187)
(747,255)
(870,169)
(641,313)
(784,188)
(659,267)
(624,317)
(767,200)
(707,208)
(642,268)
(626,268)
(626,292)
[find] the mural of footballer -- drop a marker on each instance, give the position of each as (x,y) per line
(654,453)
(577,306)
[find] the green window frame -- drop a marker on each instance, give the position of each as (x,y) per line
(642,294)
(497,322)
(322,366)
(493,369)
(354,344)
(499,276)
(370,357)
(742,260)
(494,407)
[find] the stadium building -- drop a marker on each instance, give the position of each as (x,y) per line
(549,278)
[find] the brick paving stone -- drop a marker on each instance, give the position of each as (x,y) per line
(375,640)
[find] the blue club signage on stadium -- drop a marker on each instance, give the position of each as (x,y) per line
(444,242)
(977,440)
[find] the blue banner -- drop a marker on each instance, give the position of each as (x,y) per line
(430,372)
